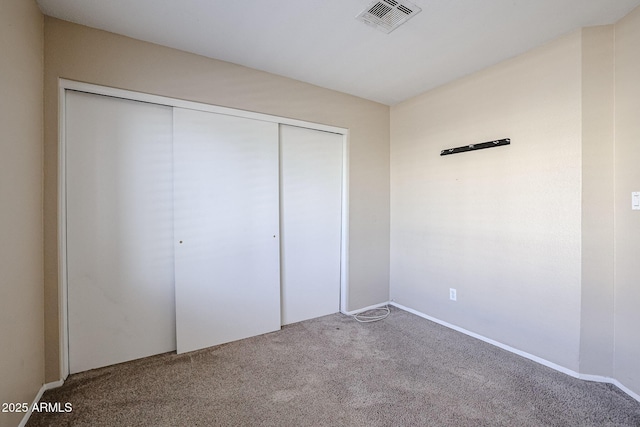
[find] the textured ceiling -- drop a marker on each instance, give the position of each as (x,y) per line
(321,42)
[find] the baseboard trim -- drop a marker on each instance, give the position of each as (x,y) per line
(554,366)
(371,307)
(607,380)
(45,387)
(624,388)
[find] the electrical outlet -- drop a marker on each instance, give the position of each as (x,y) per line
(452,294)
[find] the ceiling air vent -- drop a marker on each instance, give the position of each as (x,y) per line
(387,15)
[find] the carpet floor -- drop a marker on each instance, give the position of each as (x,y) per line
(333,371)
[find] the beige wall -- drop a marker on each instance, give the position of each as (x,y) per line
(627,222)
(596,338)
(539,237)
(80,53)
(21,300)
(502,225)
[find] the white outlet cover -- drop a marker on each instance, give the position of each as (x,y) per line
(452,294)
(635,200)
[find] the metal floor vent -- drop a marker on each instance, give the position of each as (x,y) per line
(387,15)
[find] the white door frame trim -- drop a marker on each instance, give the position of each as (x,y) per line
(64,85)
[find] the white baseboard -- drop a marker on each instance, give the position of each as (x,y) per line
(615,382)
(555,366)
(371,307)
(45,387)
(607,380)
(624,388)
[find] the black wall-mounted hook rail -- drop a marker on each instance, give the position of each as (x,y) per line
(473,147)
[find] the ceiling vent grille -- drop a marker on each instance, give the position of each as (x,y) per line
(387,15)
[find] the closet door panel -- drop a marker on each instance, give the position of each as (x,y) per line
(119,211)
(311,222)
(226,228)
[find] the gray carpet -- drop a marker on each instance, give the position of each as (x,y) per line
(333,371)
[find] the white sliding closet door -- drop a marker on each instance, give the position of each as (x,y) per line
(311,219)
(226,228)
(119,210)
